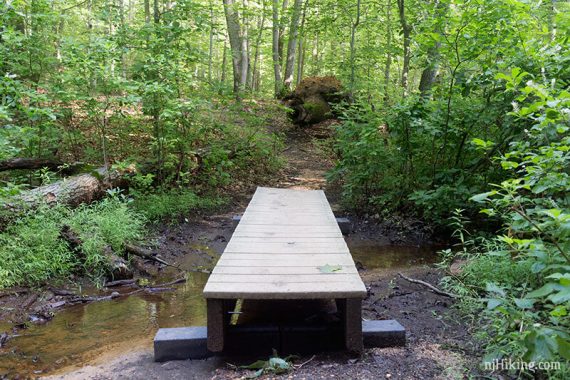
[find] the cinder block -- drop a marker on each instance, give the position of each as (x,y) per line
(181,343)
(388,333)
(235,220)
(344,224)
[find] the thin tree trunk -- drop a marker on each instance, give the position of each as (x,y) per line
(353,45)
(389,52)
(406,29)
(245,41)
(211,42)
(260,26)
(282,22)
(238,47)
(301,57)
(224,62)
(147,11)
(292,45)
(276,56)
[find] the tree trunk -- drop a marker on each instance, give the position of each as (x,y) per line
(429,73)
(29,163)
(238,46)
(282,22)
(211,42)
(406,29)
(256,75)
(301,54)
(276,56)
(292,45)
(353,45)
(224,63)
(389,51)
(73,191)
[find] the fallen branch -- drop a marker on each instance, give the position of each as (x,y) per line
(427,285)
(146,254)
(13,292)
(305,362)
(111,284)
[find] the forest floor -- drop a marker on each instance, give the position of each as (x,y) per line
(438,346)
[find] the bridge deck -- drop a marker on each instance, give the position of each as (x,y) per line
(287,245)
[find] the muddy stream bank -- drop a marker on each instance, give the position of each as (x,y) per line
(94,332)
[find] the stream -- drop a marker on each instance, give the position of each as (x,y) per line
(100,330)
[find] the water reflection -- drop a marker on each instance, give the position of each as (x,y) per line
(86,331)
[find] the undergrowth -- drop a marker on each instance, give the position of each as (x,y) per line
(174,203)
(33,251)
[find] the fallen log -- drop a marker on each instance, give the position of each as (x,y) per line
(118,267)
(75,190)
(427,285)
(30,163)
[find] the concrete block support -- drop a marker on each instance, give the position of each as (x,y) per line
(388,333)
(181,343)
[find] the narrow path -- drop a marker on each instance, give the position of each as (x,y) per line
(306,162)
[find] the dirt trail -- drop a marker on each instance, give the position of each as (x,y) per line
(438,345)
(305,162)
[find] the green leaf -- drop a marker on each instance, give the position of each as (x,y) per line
(482,197)
(559,311)
(494,288)
(330,268)
(542,291)
(493,303)
(256,365)
(523,303)
(563,347)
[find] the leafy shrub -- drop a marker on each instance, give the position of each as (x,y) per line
(525,277)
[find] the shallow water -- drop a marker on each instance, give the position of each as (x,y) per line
(378,257)
(104,329)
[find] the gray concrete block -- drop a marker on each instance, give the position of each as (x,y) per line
(388,333)
(181,343)
(344,224)
(235,220)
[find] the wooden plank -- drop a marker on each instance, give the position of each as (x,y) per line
(287,220)
(272,270)
(313,230)
(287,247)
(286,291)
(285,259)
(286,239)
(314,280)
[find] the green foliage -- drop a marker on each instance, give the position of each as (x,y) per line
(527,270)
(171,204)
(32,250)
(274,365)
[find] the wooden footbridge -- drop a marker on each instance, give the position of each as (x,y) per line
(287,246)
